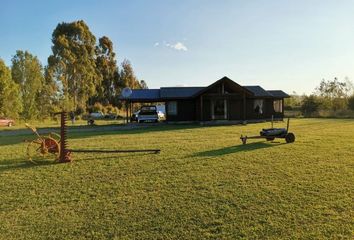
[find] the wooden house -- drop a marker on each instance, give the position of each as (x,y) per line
(222,100)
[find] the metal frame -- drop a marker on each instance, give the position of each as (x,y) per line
(288,136)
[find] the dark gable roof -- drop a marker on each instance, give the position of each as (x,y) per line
(179,92)
(166,93)
(145,94)
(278,93)
(258,91)
(226,80)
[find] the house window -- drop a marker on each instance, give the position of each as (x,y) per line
(258,106)
(172,108)
(278,106)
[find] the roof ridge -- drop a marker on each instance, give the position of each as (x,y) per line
(185,87)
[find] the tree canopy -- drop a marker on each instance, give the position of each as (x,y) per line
(73,63)
(107,69)
(27,72)
(10,100)
(80,73)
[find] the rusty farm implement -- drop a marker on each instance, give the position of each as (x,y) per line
(43,145)
(57,145)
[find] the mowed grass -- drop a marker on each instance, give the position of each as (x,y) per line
(203,185)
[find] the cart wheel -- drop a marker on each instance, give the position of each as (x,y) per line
(290,138)
(243,139)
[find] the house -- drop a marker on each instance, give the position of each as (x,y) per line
(222,100)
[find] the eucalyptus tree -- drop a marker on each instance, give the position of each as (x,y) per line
(107,69)
(73,63)
(27,72)
(127,77)
(10,101)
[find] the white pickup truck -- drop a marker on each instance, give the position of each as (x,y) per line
(148,114)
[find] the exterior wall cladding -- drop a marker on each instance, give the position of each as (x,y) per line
(189,110)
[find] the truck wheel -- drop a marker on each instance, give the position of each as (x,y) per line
(290,138)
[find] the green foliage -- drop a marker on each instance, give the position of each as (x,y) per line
(127,77)
(293,103)
(98,107)
(310,105)
(48,100)
(79,73)
(210,189)
(334,89)
(143,84)
(107,70)
(27,72)
(351,103)
(73,63)
(10,100)
(331,99)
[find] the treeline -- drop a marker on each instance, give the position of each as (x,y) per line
(332,98)
(80,73)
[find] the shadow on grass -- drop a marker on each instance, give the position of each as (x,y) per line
(75,132)
(237,148)
(9,165)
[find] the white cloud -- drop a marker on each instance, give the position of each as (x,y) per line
(180,46)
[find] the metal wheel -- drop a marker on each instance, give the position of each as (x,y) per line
(33,150)
(290,138)
(45,148)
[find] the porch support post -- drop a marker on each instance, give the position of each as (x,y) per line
(282,107)
(127,110)
(131,110)
(201,108)
(244,106)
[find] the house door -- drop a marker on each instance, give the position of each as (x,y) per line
(219,109)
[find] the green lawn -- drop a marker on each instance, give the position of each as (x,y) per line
(203,185)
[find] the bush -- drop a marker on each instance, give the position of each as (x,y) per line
(339,104)
(97,107)
(310,105)
(79,111)
(351,103)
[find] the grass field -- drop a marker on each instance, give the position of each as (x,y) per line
(203,185)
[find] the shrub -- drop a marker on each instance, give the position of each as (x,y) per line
(339,104)
(310,105)
(97,107)
(351,103)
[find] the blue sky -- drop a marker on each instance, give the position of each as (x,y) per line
(289,45)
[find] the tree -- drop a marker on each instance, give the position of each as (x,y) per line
(143,85)
(10,101)
(294,102)
(48,99)
(107,69)
(73,63)
(127,77)
(334,89)
(351,103)
(310,105)
(27,72)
